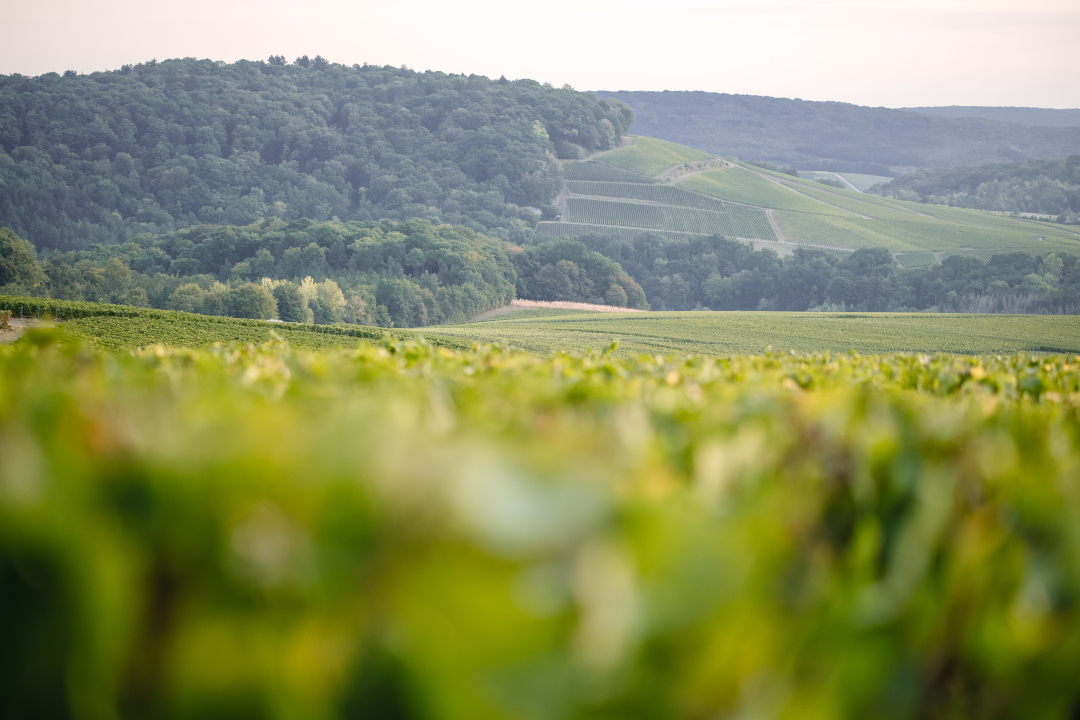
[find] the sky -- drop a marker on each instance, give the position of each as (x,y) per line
(892,53)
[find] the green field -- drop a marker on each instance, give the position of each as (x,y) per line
(743,186)
(598,171)
(727,333)
(649,156)
(735,221)
(893,224)
(657,193)
(406,531)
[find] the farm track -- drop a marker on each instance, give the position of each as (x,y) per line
(775,226)
(844,180)
(824,189)
(808,197)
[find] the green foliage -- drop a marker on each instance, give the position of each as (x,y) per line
(649,156)
(740,185)
(835,136)
(18,263)
(1040,186)
(567,270)
(736,333)
(255,532)
(100,158)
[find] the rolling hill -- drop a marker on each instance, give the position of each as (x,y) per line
(701,195)
(837,136)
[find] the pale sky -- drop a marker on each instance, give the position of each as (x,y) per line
(871,52)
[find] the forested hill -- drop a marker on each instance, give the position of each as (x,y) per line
(1041,186)
(1043,117)
(837,136)
(157,147)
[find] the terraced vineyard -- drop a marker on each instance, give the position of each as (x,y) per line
(611,195)
(661,194)
(736,221)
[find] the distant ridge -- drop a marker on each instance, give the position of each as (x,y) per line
(836,136)
(1032,117)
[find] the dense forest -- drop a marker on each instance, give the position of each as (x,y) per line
(1039,117)
(722,274)
(1039,186)
(157,147)
(837,136)
(408,274)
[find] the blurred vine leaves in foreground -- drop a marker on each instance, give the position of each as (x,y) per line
(403,531)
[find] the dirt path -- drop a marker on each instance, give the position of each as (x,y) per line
(783,184)
(780,237)
(675,173)
(824,189)
(555,304)
(844,180)
(17,327)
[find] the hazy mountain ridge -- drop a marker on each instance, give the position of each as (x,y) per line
(1034,117)
(814,135)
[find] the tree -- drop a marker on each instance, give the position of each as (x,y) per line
(187,298)
(18,262)
(292,306)
(252,301)
(615,296)
(117,279)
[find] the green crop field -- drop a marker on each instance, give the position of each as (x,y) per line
(726,333)
(597,171)
(737,221)
(626,234)
(407,531)
(122,327)
(743,186)
(662,194)
(649,156)
(896,225)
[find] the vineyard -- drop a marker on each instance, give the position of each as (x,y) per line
(660,194)
(406,531)
(736,221)
(740,333)
(601,172)
(649,156)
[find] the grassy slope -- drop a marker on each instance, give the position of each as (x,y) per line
(897,225)
(125,333)
(650,156)
(742,186)
(745,332)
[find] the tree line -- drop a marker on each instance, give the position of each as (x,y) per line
(407,274)
(723,274)
(157,147)
(1040,186)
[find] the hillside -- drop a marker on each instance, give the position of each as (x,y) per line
(1049,187)
(1039,117)
(158,147)
(836,136)
(700,197)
